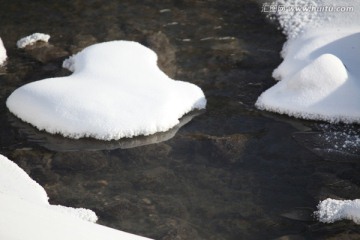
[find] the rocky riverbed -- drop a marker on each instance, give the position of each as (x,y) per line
(232,172)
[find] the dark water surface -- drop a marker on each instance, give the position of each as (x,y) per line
(232,172)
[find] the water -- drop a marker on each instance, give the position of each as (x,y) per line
(232,172)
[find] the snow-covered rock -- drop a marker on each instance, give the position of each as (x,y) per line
(116,91)
(3,55)
(319,76)
(31,39)
(27,214)
(15,182)
(331,210)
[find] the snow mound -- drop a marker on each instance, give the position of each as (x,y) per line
(3,55)
(116,91)
(26,213)
(25,220)
(331,210)
(321,90)
(31,39)
(320,77)
(15,182)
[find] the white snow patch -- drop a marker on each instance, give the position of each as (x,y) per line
(21,219)
(293,22)
(26,213)
(31,39)
(116,91)
(15,182)
(69,63)
(82,213)
(320,77)
(3,55)
(331,210)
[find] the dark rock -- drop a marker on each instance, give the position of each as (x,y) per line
(228,148)
(45,52)
(44,176)
(161,44)
(26,158)
(174,229)
(79,161)
(158,179)
(82,41)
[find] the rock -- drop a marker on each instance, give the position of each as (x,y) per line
(79,161)
(45,52)
(146,201)
(42,175)
(227,148)
(158,179)
(25,158)
(160,43)
(81,41)
(174,229)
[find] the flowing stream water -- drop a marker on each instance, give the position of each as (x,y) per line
(230,172)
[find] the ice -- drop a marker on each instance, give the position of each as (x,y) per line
(320,77)
(116,91)
(31,39)
(331,210)
(3,55)
(26,213)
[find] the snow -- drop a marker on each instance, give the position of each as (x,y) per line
(26,213)
(116,91)
(3,55)
(319,76)
(331,210)
(23,220)
(15,182)
(293,22)
(31,39)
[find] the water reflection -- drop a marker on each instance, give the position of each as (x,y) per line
(59,143)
